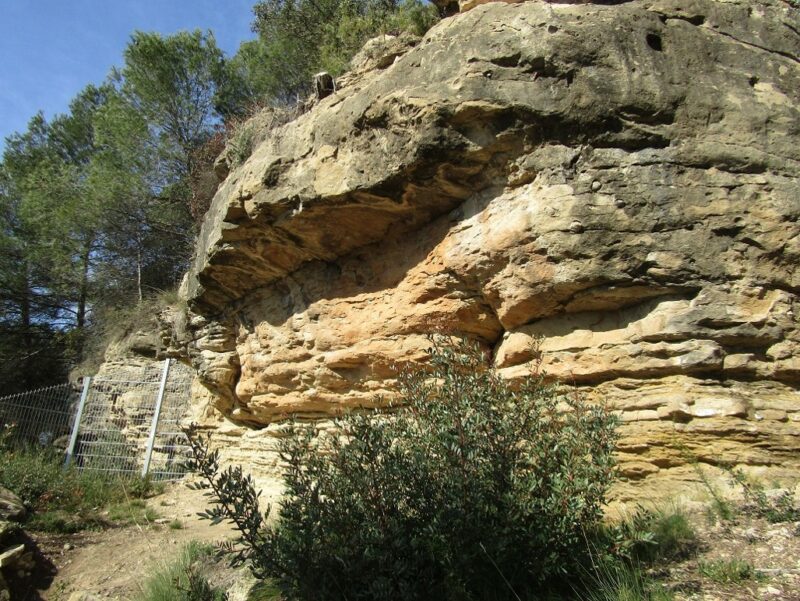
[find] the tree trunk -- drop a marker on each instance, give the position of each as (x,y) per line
(324,85)
(83,292)
(25,308)
(139,267)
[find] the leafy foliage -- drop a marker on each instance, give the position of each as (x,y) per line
(175,84)
(241,143)
(203,181)
(97,206)
(475,486)
(234,499)
(167,103)
(298,38)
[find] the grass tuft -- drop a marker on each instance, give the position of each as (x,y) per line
(133,511)
(673,535)
(181,580)
(615,581)
(63,522)
(264,590)
(655,534)
(728,571)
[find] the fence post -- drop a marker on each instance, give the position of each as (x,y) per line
(73,439)
(156,415)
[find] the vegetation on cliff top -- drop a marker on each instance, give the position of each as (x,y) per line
(99,206)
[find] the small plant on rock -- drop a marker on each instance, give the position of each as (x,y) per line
(241,143)
(471,487)
(776,509)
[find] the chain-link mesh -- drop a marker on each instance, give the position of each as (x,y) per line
(116,434)
(116,426)
(41,417)
(170,445)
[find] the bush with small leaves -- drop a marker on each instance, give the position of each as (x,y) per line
(303,37)
(241,143)
(472,485)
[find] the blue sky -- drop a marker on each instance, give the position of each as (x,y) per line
(50,49)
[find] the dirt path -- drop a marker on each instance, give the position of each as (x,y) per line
(112,564)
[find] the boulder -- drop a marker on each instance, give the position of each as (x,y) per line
(11,506)
(9,557)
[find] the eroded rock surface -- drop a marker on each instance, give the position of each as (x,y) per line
(619,181)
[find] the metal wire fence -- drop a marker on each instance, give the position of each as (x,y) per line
(41,417)
(130,427)
(125,427)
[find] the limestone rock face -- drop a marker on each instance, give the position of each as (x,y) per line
(620,182)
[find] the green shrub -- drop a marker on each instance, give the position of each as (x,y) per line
(344,36)
(474,487)
(36,477)
(241,143)
(675,537)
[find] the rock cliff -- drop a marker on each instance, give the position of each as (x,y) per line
(619,181)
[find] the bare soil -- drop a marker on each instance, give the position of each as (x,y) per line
(113,563)
(773,550)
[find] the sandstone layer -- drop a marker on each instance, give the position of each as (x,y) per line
(620,182)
